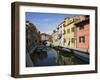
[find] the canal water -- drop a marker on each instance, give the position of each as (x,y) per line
(53,57)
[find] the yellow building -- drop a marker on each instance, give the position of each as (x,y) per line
(70,30)
(69,33)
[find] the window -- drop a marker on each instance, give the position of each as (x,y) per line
(79,39)
(64,32)
(71,20)
(73,29)
(64,40)
(68,30)
(81,27)
(73,40)
(82,39)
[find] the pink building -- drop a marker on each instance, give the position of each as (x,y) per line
(83,34)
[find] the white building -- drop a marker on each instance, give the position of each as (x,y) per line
(55,37)
(58,35)
(61,37)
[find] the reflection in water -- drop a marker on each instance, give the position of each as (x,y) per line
(52,57)
(66,58)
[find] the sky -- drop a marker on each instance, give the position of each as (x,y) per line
(46,22)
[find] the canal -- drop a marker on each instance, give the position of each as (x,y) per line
(53,57)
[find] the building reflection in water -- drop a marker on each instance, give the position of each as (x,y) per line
(67,58)
(53,57)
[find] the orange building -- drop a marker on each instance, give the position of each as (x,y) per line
(83,34)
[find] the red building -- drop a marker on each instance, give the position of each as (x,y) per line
(83,34)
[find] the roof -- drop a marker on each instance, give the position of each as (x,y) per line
(82,22)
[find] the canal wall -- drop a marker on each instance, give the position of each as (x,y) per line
(29,62)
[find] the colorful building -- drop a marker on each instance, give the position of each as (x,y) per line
(73,32)
(57,35)
(69,33)
(70,30)
(32,41)
(82,34)
(32,36)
